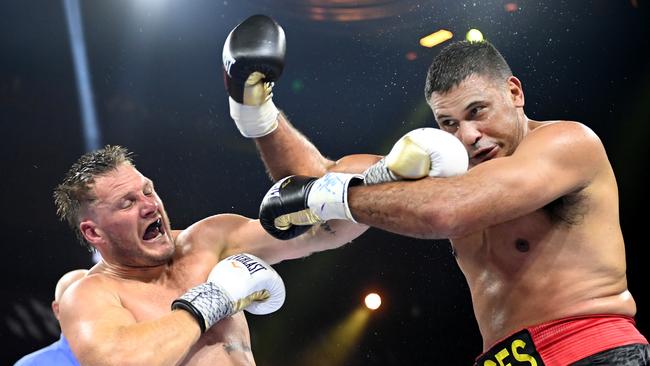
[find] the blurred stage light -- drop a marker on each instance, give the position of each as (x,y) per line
(411,56)
(336,345)
(474,35)
(150,7)
(435,38)
(373,301)
(511,7)
(92,138)
(346,10)
(297,85)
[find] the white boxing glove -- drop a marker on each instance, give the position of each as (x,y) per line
(420,153)
(241,281)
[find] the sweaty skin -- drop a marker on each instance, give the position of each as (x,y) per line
(524,265)
(120,313)
(225,343)
(564,259)
(534,223)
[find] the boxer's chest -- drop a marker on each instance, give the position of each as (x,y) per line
(505,246)
(149,301)
(508,244)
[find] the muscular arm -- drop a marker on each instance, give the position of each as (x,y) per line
(102,332)
(552,161)
(231,234)
(286,151)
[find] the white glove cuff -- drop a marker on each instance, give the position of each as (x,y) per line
(254,121)
(328,197)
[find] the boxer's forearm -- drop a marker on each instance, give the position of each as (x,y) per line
(165,341)
(331,235)
(412,208)
(286,151)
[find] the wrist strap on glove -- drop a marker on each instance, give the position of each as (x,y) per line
(379,173)
(254,121)
(328,197)
(207,302)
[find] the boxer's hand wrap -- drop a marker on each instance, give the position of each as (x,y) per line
(207,302)
(254,121)
(379,173)
(238,282)
(253,58)
(420,153)
(297,202)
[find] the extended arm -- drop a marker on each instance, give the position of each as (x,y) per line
(230,234)
(552,161)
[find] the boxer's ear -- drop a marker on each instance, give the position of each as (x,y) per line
(90,232)
(55,309)
(516,92)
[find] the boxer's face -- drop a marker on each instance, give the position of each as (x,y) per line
(482,114)
(128,220)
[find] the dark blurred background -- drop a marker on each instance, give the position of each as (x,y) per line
(353,83)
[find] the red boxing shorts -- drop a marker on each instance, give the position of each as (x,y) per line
(561,342)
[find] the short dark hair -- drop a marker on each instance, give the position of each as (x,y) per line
(76,188)
(459,60)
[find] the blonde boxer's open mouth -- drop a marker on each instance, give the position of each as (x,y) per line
(154,231)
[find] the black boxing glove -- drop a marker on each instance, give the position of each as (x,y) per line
(288,195)
(253,58)
(295,203)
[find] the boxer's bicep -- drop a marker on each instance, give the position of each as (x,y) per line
(356,163)
(90,318)
(546,166)
(227,234)
(102,331)
(244,235)
(559,159)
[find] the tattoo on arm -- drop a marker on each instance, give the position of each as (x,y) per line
(325,226)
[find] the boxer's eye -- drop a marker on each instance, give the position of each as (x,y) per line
(448,124)
(475,111)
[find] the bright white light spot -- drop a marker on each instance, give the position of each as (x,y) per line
(474,35)
(373,301)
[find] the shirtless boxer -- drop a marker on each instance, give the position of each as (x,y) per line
(156,297)
(533,224)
